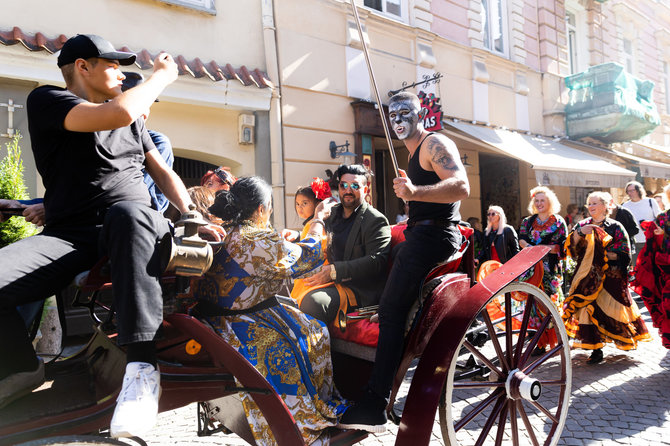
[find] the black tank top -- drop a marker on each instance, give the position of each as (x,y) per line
(421,210)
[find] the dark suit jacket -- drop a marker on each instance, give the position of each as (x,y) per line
(365,264)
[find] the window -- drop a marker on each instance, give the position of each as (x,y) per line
(666,85)
(628,55)
(390,7)
(494,26)
(207,6)
(571,24)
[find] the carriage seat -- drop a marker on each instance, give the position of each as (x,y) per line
(360,337)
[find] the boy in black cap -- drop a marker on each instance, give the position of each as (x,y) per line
(90,145)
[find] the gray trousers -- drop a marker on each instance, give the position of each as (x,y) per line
(37,267)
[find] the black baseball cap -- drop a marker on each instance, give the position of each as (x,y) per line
(85,46)
(132,80)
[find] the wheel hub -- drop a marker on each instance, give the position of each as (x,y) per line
(518,385)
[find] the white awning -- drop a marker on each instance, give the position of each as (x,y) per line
(648,168)
(555,164)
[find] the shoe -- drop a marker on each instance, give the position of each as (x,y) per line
(368,414)
(596,357)
(137,405)
(19,384)
(539,351)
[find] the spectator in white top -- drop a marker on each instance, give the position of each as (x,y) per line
(642,208)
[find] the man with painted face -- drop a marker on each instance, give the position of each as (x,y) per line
(434,184)
(358,252)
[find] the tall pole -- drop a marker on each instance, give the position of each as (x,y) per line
(380,107)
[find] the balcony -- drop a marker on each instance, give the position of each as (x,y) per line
(609,104)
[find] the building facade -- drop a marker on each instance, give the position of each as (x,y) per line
(223,87)
(502,91)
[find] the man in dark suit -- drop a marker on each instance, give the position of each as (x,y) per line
(358,251)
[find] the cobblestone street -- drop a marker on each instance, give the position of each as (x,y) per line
(621,401)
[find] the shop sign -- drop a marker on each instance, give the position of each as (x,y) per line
(433,120)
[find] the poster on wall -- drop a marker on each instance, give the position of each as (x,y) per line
(433,120)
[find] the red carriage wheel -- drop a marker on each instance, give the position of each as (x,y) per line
(517,398)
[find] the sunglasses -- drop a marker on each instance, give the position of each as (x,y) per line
(491,214)
(225,176)
(354,186)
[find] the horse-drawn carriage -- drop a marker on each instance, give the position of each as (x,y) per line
(476,371)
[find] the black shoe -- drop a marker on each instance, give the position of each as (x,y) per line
(368,414)
(539,351)
(596,357)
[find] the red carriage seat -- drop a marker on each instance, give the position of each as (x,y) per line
(363,332)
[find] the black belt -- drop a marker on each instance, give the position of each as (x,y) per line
(431,222)
(206,308)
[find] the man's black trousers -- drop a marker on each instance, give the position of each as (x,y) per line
(37,267)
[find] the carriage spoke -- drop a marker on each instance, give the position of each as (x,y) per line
(533,342)
(501,423)
(508,328)
(529,369)
(526,422)
(545,411)
(512,421)
(477,384)
(530,302)
(482,358)
(478,409)
(494,341)
(492,419)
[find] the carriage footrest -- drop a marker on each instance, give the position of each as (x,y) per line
(353,349)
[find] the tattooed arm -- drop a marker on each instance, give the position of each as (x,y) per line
(440,156)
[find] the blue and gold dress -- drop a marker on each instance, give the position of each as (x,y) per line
(289,348)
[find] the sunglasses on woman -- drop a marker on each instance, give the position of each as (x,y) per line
(354,186)
(491,214)
(225,176)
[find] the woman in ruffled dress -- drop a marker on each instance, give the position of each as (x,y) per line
(545,227)
(290,348)
(652,271)
(599,308)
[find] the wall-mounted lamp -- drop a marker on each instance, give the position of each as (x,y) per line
(343,151)
(464,159)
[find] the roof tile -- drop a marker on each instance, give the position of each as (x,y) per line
(195,67)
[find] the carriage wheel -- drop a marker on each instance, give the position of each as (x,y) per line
(520,398)
(83,440)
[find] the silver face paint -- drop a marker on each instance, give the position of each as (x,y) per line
(404,117)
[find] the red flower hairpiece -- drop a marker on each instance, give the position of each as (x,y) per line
(321,189)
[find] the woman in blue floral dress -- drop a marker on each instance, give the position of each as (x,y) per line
(289,348)
(545,227)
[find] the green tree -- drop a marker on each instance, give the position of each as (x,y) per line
(12,187)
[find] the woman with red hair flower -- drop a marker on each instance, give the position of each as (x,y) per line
(306,200)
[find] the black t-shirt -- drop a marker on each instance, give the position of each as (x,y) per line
(83,173)
(340,228)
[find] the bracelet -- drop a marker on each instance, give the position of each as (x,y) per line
(579,232)
(316,220)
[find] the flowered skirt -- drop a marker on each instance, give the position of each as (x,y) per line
(652,283)
(600,309)
(292,351)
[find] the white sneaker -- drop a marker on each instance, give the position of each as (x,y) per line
(137,404)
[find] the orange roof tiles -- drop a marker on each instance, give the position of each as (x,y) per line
(194,67)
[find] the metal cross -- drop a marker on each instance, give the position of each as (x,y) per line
(11,106)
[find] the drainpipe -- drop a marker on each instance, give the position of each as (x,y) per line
(275,115)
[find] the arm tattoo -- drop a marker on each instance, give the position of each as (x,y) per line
(440,155)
